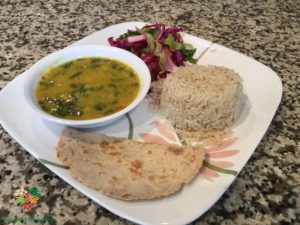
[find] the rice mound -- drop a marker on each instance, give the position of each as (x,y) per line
(202,98)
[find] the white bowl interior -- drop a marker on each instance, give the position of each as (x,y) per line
(72,53)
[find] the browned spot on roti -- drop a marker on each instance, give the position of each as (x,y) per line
(114,153)
(176,151)
(115,141)
(104,144)
(137,164)
(85,151)
(135,171)
(97,164)
(151,177)
(162,177)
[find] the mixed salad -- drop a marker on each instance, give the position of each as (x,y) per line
(159,46)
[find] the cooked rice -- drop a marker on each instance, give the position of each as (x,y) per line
(202,98)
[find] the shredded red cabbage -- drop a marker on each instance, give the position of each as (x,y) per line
(159,46)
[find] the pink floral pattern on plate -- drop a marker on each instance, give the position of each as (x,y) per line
(214,163)
(213,166)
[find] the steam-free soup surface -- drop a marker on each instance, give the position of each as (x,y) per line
(87,88)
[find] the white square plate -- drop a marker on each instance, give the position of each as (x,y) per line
(261,85)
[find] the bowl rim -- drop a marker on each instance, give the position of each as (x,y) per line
(38,68)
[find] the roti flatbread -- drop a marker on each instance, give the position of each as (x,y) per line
(127,169)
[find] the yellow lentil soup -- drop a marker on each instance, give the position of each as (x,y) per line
(87,88)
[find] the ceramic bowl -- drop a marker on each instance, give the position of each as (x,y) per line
(71,53)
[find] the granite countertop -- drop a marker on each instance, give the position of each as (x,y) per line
(268,188)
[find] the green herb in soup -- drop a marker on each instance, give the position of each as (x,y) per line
(87,88)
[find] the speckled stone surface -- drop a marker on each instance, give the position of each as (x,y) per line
(268,188)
